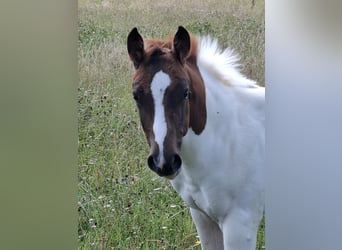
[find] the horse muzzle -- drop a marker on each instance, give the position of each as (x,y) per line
(169,168)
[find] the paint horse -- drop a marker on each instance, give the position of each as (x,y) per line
(204,123)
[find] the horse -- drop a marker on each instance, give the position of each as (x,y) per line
(204,124)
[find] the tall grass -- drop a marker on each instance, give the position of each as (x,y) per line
(121,203)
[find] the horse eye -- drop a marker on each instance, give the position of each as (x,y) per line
(186,94)
(137,93)
(135,96)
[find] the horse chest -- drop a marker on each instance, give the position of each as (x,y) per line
(201,193)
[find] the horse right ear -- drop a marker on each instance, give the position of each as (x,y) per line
(135,47)
(181,44)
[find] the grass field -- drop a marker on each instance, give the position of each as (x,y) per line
(121,203)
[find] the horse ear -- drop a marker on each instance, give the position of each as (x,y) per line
(135,47)
(181,44)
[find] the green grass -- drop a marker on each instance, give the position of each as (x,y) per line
(121,203)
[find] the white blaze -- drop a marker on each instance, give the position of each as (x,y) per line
(158,86)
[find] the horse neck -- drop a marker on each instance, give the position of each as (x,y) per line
(220,98)
(221,118)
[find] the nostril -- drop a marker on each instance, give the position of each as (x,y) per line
(152,161)
(176,161)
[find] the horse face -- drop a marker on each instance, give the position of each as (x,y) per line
(161,92)
(164,115)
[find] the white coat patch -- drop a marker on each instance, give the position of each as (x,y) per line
(158,86)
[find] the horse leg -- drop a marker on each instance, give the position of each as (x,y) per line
(240,231)
(209,232)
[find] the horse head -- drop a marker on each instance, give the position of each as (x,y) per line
(169,94)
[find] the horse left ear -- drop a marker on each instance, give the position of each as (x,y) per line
(135,47)
(181,44)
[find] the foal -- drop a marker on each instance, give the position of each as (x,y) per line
(204,123)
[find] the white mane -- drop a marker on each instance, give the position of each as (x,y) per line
(222,63)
